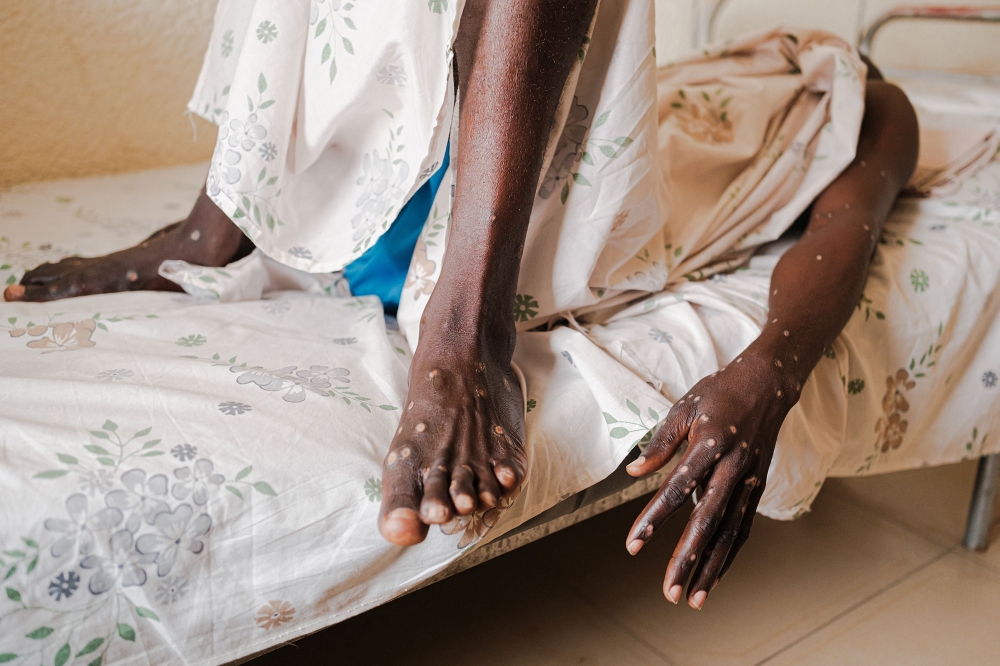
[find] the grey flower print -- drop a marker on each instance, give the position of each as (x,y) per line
(392,75)
(276,307)
(378,181)
(64,585)
(989,379)
(171,589)
(227,43)
(939,227)
(114,375)
(301,252)
(568,357)
(234,408)
(320,376)
(267,32)
(96,482)
(660,336)
(122,563)
(197,483)
(345,341)
(144,498)
(268,151)
(245,135)
(557,175)
(178,530)
(79,529)
(184,452)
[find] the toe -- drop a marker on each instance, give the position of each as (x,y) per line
(402,527)
(487,486)
(463,495)
(14,292)
(435,508)
(509,474)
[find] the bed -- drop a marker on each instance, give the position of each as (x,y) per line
(182,500)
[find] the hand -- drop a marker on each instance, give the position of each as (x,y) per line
(731,421)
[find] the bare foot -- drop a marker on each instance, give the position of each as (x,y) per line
(460,443)
(207,238)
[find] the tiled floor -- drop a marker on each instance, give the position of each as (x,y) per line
(874,575)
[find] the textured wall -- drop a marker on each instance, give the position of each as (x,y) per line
(98,86)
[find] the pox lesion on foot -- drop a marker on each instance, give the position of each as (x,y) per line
(458,450)
(207,238)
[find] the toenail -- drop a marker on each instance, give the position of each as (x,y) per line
(405,452)
(466,468)
(498,430)
(195,235)
(442,468)
(132,276)
(390,459)
(420,427)
(732,429)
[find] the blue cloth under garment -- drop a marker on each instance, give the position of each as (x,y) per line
(382,269)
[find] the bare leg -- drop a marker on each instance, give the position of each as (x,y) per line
(460,444)
(207,238)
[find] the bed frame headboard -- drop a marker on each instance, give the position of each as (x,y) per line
(707,14)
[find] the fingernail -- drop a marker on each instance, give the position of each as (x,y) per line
(14,292)
(698,600)
(634,545)
(636,464)
(674,594)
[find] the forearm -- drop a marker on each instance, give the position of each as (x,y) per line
(817,283)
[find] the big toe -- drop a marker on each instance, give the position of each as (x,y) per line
(402,527)
(14,292)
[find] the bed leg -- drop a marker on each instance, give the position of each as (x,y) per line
(984,499)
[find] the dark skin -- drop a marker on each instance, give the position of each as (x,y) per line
(731,418)
(460,443)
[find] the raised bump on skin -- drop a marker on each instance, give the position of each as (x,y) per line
(866,227)
(774,321)
(718,455)
(778,392)
(195,235)
(442,468)
(683,469)
(739,360)
(432,375)
(819,257)
(687,491)
(777,362)
(710,442)
(756,451)
(743,445)
(405,452)
(399,430)
(795,357)
(692,483)
(132,276)
(785,333)
(692,558)
(732,429)
(390,460)
(829,215)
(882,173)
(420,427)
(848,206)
(409,406)
(696,398)
(704,417)
(681,401)
(863,163)
(498,430)
(481,392)
(710,491)
(480,366)
(506,384)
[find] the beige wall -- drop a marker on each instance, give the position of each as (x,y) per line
(98,86)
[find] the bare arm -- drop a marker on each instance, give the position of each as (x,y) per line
(731,419)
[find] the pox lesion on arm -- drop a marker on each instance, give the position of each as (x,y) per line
(731,419)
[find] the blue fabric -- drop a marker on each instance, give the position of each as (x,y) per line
(381,270)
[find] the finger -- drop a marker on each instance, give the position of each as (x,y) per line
(668,438)
(668,499)
(748,512)
(462,490)
(715,553)
(435,507)
(399,518)
(701,527)
(487,486)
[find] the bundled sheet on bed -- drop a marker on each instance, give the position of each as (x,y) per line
(183,479)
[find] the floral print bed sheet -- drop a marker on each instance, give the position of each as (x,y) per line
(189,481)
